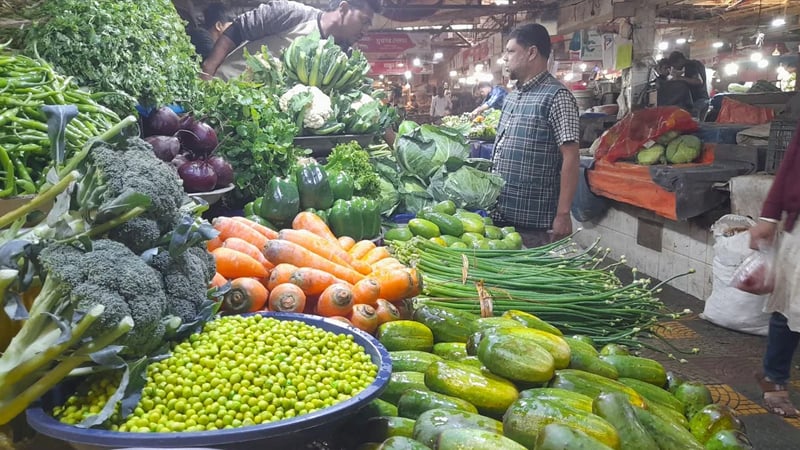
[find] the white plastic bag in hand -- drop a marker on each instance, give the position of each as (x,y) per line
(755,275)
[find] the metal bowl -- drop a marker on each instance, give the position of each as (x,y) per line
(212,197)
(284,434)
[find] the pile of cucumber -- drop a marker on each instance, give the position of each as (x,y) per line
(515,382)
(449,226)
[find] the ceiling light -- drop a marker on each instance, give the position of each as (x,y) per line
(731,69)
(680,40)
(401,64)
(438,55)
(718,44)
(407,74)
(453,74)
(583,67)
(762,64)
(778,22)
(478,68)
(756,56)
(380,76)
(417,62)
(663,45)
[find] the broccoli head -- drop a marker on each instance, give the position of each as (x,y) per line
(185,280)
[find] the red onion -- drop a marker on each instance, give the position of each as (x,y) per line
(162,121)
(223,170)
(199,139)
(179,160)
(197,176)
(164,147)
(186,121)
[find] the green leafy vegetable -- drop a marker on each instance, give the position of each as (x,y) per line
(468,187)
(351,158)
(139,48)
(427,148)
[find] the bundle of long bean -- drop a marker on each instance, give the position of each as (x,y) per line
(27,84)
(559,283)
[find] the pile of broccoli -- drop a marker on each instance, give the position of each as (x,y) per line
(123,269)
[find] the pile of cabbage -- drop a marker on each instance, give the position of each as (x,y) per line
(671,148)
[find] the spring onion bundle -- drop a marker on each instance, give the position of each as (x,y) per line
(559,283)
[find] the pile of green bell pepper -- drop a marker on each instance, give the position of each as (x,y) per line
(359,218)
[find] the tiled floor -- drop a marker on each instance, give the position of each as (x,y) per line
(726,363)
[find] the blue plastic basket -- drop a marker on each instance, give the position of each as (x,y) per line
(283,434)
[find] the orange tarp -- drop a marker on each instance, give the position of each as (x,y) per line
(631,183)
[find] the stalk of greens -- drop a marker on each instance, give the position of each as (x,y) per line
(138,48)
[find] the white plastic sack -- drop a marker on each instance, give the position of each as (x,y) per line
(727,306)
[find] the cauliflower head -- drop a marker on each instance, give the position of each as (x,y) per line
(310,107)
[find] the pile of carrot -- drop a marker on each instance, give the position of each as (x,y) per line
(307,269)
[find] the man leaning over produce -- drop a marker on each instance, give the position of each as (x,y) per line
(276,23)
(536,149)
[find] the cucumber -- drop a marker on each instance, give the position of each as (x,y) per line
(489,393)
(400,382)
(617,410)
(402,443)
(447,224)
(713,418)
(531,321)
(516,358)
(452,351)
(447,325)
(378,429)
(668,414)
(375,408)
(729,440)
(401,335)
(472,361)
(414,402)
(644,369)
(492,232)
(398,234)
(592,385)
(450,240)
(667,435)
(614,349)
(585,339)
(445,206)
(527,417)
(432,423)
(561,437)
(472,225)
(486,323)
(555,345)
(652,394)
(412,360)
(584,357)
(472,439)
(673,381)
(694,395)
(475,340)
(569,398)
(424,228)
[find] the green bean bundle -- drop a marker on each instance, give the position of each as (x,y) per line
(27,84)
(558,283)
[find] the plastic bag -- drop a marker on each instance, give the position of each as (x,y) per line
(755,275)
(629,135)
(734,111)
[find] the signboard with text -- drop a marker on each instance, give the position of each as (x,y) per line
(397,67)
(394,44)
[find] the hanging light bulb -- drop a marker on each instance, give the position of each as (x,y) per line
(417,62)
(407,74)
(756,56)
(762,64)
(453,74)
(583,67)
(663,45)
(777,51)
(778,22)
(731,69)
(718,44)
(680,40)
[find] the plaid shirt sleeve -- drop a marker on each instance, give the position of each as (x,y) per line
(565,118)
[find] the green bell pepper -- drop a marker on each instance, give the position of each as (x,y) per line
(342,185)
(358,218)
(281,202)
(321,213)
(313,185)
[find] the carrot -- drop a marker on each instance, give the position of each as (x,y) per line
(268,232)
(280,274)
(246,295)
(342,319)
(218,280)
(361,248)
(235,264)
(312,281)
(321,247)
(364,318)
(311,222)
(416,281)
(240,245)
(346,242)
(287,297)
(376,254)
(386,311)
(280,251)
(388,264)
(336,300)
(366,291)
(396,284)
(229,227)
(213,243)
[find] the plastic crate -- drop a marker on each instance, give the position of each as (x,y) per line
(780,134)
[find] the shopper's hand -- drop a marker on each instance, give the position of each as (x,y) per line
(562,226)
(763,233)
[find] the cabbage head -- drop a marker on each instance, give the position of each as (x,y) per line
(425,149)
(389,197)
(684,149)
(650,156)
(468,187)
(668,137)
(413,195)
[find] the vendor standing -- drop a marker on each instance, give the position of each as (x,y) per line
(277,23)
(693,73)
(493,98)
(536,149)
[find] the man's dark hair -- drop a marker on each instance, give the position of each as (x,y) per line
(676,57)
(533,34)
(484,84)
(375,5)
(216,12)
